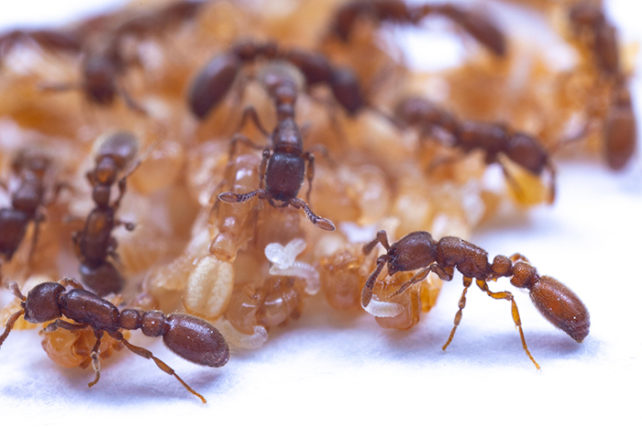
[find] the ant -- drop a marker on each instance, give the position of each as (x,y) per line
(620,131)
(492,138)
(26,201)
(192,338)
(418,250)
(94,244)
(104,61)
(283,165)
(477,25)
(215,80)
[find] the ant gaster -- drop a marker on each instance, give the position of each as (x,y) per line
(94,244)
(620,130)
(215,80)
(479,26)
(26,201)
(192,338)
(283,166)
(492,138)
(418,250)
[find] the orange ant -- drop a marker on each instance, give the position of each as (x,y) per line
(283,165)
(620,130)
(418,250)
(477,25)
(192,338)
(492,138)
(94,244)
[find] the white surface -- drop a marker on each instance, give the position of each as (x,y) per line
(331,367)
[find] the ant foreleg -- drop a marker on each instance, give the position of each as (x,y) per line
(507,295)
(366,292)
(318,221)
(241,197)
(461,304)
(62,324)
(127,224)
(161,365)
(95,359)
(421,275)
(382,237)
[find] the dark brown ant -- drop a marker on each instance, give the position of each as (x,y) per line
(492,138)
(479,26)
(283,166)
(215,80)
(94,244)
(192,338)
(418,250)
(26,202)
(588,21)
(104,61)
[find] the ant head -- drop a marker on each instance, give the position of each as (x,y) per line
(32,161)
(41,304)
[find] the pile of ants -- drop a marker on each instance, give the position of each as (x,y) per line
(286,165)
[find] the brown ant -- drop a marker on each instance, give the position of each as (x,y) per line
(94,244)
(492,138)
(418,250)
(479,26)
(26,201)
(215,80)
(192,338)
(104,61)
(283,165)
(620,130)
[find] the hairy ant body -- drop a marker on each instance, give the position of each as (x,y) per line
(192,338)
(94,244)
(26,202)
(492,138)
(283,166)
(215,80)
(479,26)
(620,131)
(418,250)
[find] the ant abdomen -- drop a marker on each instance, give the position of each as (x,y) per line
(196,340)
(561,307)
(213,83)
(104,279)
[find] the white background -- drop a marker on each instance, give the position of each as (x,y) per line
(331,367)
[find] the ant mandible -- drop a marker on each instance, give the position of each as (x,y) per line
(26,202)
(192,338)
(492,138)
(215,80)
(479,26)
(418,250)
(283,165)
(94,244)
(620,130)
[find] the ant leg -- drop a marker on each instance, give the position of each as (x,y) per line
(231,197)
(70,282)
(240,138)
(318,221)
(39,218)
(127,224)
(161,365)
(263,167)
(553,173)
(332,116)
(95,359)
(249,113)
(62,324)
(130,102)
(382,237)
(122,185)
(418,277)
(366,292)
(507,295)
(461,304)
(9,326)
(310,173)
